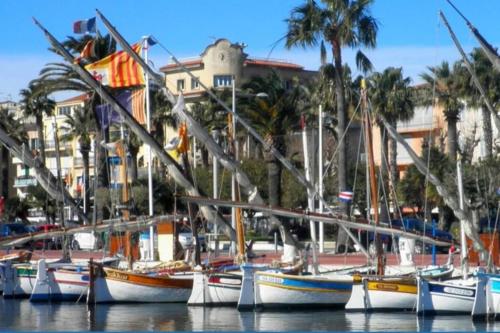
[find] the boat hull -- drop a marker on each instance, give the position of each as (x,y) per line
(384,294)
(18,280)
(212,289)
(61,285)
(447,297)
(274,290)
(119,286)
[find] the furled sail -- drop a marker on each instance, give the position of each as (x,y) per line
(173,167)
(488,49)
(449,199)
(107,225)
(475,79)
(44,177)
(300,214)
(287,164)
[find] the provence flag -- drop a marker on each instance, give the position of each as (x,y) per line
(84,26)
(345,196)
(118,70)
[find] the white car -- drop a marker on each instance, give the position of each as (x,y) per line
(86,241)
(187,240)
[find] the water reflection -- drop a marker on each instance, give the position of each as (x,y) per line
(21,315)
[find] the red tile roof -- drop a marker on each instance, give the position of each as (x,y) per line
(79,98)
(189,63)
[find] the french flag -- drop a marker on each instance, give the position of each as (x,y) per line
(345,196)
(84,26)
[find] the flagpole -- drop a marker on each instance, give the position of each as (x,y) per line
(150,178)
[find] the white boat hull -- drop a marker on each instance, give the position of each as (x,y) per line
(379,294)
(60,284)
(216,289)
(126,287)
(451,297)
(281,290)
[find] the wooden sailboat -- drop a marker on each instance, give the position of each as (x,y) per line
(384,292)
(463,295)
(276,289)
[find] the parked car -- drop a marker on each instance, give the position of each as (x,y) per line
(86,241)
(16,230)
(187,240)
(13,229)
(411,225)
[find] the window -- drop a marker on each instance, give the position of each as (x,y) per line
(195,83)
(64,110)
(287,84)
(180,85)
(223,80)
(34,144)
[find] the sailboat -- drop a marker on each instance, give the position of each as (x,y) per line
(462,295)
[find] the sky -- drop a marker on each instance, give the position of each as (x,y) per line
(410,33)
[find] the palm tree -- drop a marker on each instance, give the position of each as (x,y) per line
(490,81)
(81,126)
(35,102)
(390,97)
(340,23)
(56,77)
(274,117)
(16,131)
(445,83)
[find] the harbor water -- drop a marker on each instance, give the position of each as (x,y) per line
(21,315)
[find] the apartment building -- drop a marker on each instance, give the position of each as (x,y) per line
(429,123)
(217,66)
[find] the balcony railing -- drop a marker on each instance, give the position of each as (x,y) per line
(50,144)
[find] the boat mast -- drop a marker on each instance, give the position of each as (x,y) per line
(61,203)
(463,240)
(287,164)
(373,180)
(148,128)
(310,196)
(173,167)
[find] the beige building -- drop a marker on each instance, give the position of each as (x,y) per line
(219,64)
(430,123)
(216,67)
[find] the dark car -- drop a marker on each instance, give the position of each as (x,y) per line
(415,226)
(13,230)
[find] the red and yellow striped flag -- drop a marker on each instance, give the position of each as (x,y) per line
(137,101)
(118,70)
(183,146)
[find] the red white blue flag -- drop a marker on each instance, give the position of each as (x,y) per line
(345,196)
(84,26)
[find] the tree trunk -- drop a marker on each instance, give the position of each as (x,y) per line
(274,182)
(41,138)
(487,132)
(341,122)
(85,158)
(393,165)
(204,157)
(452,142)
(384,172)
(393,161)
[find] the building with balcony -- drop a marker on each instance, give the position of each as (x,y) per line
(216,68)
(429,123)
